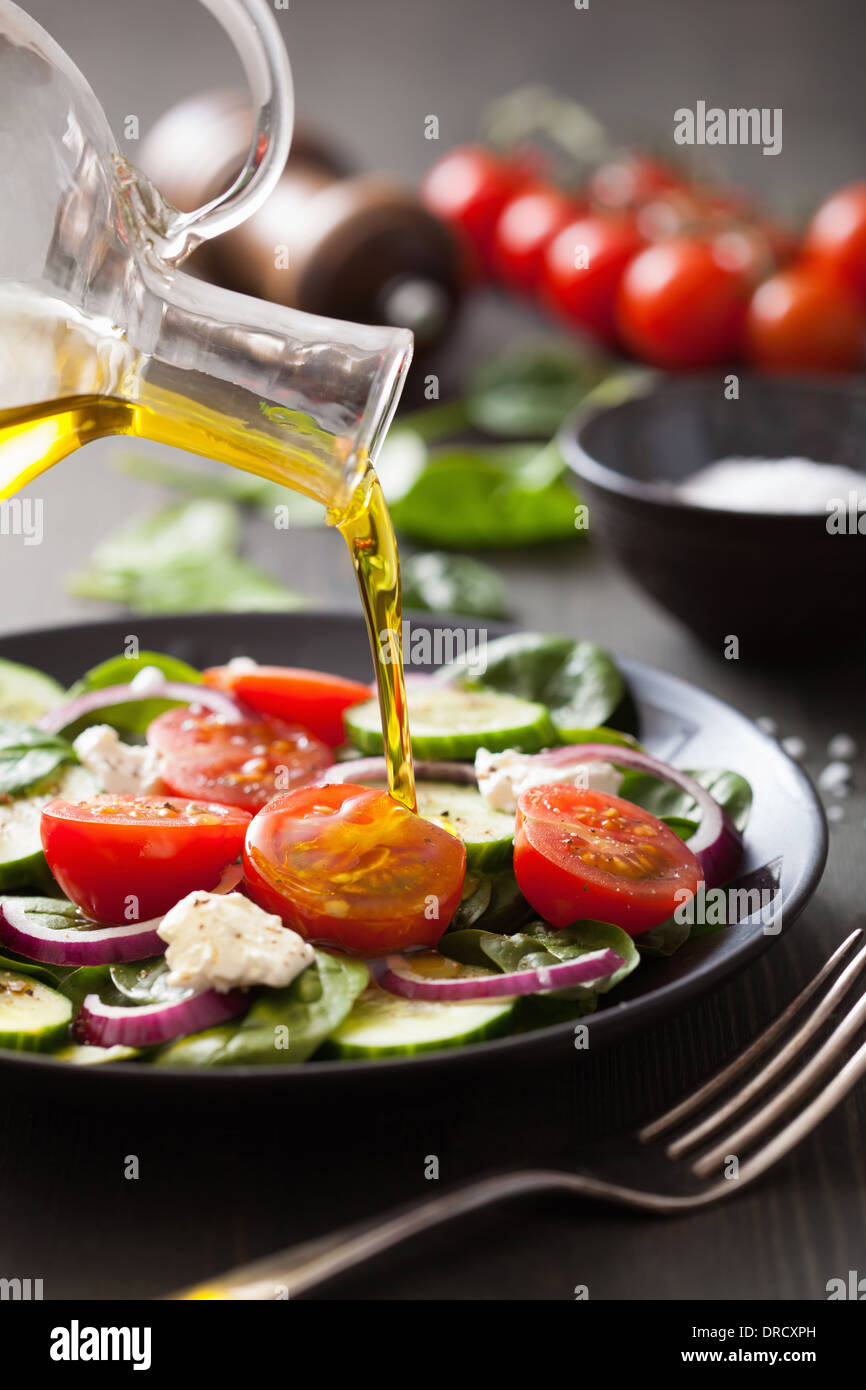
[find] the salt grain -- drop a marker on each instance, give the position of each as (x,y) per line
(768,724)
(842,746)
(835,778)
(794,747)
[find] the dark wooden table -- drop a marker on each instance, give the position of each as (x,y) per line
(217,1188)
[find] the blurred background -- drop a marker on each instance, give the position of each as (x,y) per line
(368,78)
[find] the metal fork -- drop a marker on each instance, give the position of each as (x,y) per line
(689,1185)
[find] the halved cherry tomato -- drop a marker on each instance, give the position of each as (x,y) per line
(836,237)
(802,319)
(244,762)
(468,188)
(580,854)
(682,303)
(526,224)
(130,858)
(350,866)
(310,698)
(583,266)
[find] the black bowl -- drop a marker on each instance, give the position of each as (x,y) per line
(777,581)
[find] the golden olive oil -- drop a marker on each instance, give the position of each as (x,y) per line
(33,438)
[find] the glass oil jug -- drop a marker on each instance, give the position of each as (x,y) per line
(100,333)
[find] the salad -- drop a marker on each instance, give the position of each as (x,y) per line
(206,868)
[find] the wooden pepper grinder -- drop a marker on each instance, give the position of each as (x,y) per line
(354,246)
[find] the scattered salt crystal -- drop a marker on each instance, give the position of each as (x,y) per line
(842,746)
(835,813)
(835,778)
(794,747)
(768,724)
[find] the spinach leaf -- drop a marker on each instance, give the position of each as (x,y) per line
(664,939)
(529,392)
(492,901)
(474,901)
(283,1025)
(120,670)
(539,945)
(578,681)
(146,982)
(28,967)
(442,583)
(226,484)
(88,979)
(28,756)
(466,496)
(181,559)
(730,789)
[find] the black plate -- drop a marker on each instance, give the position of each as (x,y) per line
(786,843)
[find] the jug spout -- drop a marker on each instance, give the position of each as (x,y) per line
(302,400)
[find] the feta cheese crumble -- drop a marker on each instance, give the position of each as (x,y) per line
(502,777)
(122,768)
(223,941)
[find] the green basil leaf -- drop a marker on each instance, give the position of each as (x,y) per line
(29,756)
(441,583)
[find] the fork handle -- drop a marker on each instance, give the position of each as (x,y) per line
(303,1267)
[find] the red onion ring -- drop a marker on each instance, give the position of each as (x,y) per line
(399,978)
(108,1025)
(102,946)
(184,691)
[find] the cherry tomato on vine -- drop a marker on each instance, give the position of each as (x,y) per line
(580,854)
(802,319)
(583,266)
(468,188)
(836,237)
(630,179)
(523,229)
(350,866)
(682,304)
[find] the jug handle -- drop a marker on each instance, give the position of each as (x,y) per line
(253,29)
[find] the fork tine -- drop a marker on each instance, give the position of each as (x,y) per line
(799,1084)
(699,1097)
(776,1065)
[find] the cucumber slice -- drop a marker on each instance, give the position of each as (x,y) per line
(454,722)
(488,835)
(25,693)
(33,1017)
(22,863)
(83,1055)
(385,1025)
